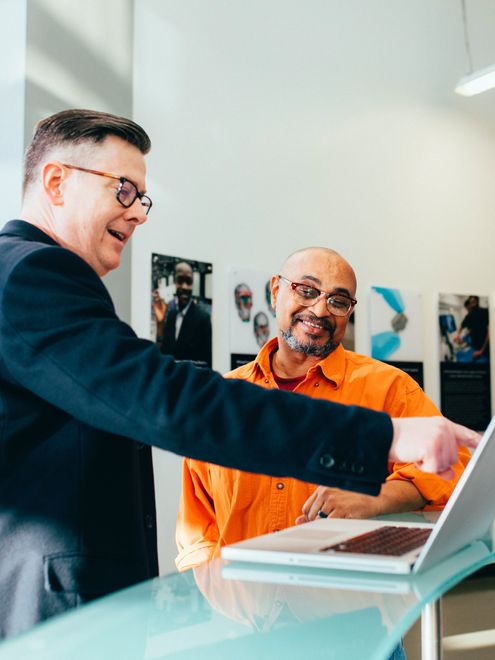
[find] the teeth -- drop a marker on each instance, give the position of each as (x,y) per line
(313,325)
(117,234)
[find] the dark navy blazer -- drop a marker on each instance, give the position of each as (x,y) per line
(82,399)
(194,340)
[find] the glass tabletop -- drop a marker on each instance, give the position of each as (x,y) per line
(232,610)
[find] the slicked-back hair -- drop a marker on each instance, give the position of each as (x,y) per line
(75,127)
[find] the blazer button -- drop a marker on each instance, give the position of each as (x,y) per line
(327,461)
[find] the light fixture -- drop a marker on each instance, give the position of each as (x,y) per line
(474,82)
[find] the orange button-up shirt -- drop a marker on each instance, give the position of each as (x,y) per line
(220,505)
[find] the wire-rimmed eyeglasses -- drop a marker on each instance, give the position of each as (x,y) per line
(127,192)
(338,303)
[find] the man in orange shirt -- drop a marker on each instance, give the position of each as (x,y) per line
(313,298)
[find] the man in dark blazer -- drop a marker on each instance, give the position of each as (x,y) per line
(82,398)
(187,327)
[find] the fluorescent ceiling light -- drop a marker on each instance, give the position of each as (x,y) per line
(474,82)
(477,82)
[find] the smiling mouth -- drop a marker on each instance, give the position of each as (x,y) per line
(117,234)
(314,326)
(318,326)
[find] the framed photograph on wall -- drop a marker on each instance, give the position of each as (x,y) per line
(181,307)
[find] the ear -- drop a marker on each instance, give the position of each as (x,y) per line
(52,176)
(274,287)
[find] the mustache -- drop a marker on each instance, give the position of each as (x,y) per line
(312,318)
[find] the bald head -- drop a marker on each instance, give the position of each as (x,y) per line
(302,261)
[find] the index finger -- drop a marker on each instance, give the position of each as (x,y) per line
(307,505)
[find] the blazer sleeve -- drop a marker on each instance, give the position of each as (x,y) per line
(62,340)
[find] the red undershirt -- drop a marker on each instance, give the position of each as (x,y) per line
(289,384)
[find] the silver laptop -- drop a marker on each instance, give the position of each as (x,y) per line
(385,546)
(323,578)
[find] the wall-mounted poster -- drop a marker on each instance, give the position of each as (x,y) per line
(465,359)
(396,329)
(349,338)
(252,320)
(181,308)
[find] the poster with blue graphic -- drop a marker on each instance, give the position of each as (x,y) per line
(463,324)
(396,329)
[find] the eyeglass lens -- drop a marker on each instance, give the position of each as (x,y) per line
(307,296)
(127,194)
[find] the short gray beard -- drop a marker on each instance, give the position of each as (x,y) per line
(310,348)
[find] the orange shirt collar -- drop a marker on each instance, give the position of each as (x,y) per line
(332,367)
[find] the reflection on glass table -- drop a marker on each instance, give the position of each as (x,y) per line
(230,610)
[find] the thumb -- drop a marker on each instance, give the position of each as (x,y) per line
(465,436)
(447,474)
(427,466)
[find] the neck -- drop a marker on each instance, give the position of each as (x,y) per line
(182,306)
(39,216)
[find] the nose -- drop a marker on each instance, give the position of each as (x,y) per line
(136,213)
(320,307)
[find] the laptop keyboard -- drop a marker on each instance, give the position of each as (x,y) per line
(394,541)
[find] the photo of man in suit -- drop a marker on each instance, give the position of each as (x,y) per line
(83,399)
(186,332)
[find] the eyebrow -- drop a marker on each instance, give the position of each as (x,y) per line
(336,289)
(312,278)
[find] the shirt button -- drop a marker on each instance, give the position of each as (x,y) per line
(317,384)
(148,521)
(280,485)
(266,380)
(327,461)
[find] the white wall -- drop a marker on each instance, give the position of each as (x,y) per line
(279,124)
(80,57)
(12,86)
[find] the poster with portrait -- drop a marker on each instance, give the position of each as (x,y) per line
(181,307)
(251,316)
(465,358)
(396,329)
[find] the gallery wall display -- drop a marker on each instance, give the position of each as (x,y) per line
(349,338)
(465,359)
(396,329)
(252,319)
(181,307)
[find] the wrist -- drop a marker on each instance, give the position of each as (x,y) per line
(392,453)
